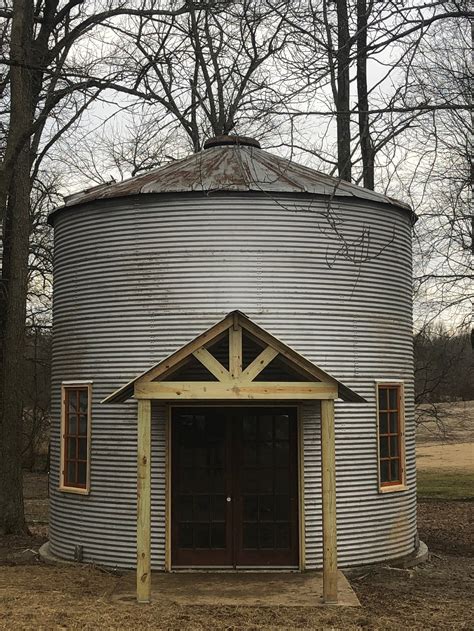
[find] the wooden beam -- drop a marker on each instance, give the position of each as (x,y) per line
(235,351)
(259,363)
(144,502)
(234,390)
(328,475)
(212,364)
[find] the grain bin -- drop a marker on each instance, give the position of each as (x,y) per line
(235,294)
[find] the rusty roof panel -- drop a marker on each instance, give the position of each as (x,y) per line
(233,167)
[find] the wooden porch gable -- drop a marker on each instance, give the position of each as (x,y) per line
(234,379)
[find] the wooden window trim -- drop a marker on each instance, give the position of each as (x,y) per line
(74,385)
(392,487)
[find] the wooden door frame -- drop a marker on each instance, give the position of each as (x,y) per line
(328,478)
(299,465)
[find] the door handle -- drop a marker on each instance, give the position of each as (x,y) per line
(228,499)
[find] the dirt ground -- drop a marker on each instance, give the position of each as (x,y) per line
(434,595)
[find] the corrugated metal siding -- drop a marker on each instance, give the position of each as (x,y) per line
(311,420)
(104,522)
(370,527)
(134,282)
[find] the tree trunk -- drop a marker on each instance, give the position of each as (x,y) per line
(13,296)
(366,145)
(344,162)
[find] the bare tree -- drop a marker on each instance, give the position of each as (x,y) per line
(47,85)
(341,39)
(441,150)
(443,362)
(16,231)
(207,72)
(367,149)
(36,393)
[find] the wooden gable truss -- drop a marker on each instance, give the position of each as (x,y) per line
(234,381)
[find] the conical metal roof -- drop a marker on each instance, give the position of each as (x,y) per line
(232,163)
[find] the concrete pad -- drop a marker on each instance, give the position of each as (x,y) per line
(48,557)
(239,589)
(419,556)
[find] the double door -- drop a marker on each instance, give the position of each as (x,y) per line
(234,487)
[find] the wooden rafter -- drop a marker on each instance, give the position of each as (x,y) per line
(286,352)
(235,384)
(259,363)
(232,384)
(212,364)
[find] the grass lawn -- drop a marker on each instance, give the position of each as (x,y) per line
(445,484)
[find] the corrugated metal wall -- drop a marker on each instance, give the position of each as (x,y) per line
(370,527)
(137,278)
(104,523)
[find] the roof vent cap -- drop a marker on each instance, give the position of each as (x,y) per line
(220,141)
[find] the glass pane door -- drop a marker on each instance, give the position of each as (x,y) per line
(201,531)
(234,487)
(266,488)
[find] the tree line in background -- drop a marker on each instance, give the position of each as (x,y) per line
(378,92)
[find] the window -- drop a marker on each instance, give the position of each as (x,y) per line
(76,413)
(390,436)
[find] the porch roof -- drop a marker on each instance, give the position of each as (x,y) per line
(197,347)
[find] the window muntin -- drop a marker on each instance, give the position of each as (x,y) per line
(75,437)
(390,434)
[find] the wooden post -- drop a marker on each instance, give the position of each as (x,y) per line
(328,474)
(144,502)
(235,351)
